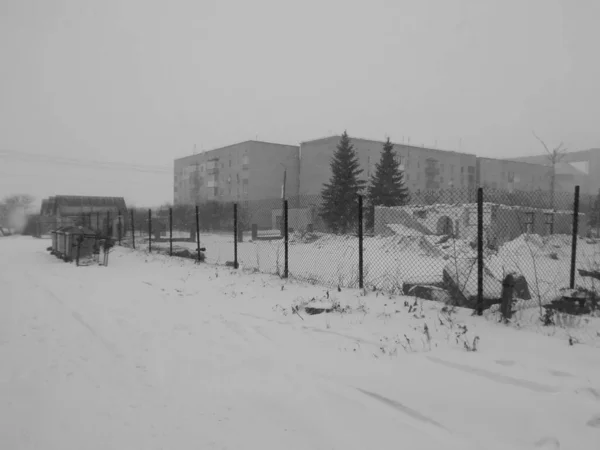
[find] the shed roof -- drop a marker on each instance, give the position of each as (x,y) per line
(52,204)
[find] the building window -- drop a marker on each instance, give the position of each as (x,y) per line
(529,222)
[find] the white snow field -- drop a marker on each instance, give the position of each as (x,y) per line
(154,352)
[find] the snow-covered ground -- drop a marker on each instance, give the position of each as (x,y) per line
(154,352)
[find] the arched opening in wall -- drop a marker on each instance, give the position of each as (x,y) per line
(445,226)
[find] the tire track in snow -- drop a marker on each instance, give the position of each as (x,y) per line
(498,378)
(112,349)
(402,408)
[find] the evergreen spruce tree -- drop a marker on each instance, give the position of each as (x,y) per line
(387,183)
(339,210)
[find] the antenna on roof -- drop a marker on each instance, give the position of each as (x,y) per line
(194,151)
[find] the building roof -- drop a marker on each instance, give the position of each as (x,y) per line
(412,147)
(233,145)
(52,204)
(512,161)
(569,156)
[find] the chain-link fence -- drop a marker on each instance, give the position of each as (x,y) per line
(469,247)
(454,243)
(484,249)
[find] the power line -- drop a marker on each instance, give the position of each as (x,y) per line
(59,160)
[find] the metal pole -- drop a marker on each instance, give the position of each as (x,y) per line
(235,243)
(574,236)
(170,231)
(120,225)
(361,283)
(198,232)
(149,231)
(286,241)
(480,251)
(132,230)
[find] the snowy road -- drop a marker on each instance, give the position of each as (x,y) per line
(152,353)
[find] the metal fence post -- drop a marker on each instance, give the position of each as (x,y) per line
(286,240)
(235,243)
(574,236)
(149,231)
(361,283)
(132,230)
(170,231)
(480,251)
(198,232)
(120,226)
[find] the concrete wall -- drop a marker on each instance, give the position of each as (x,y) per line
(241,172)
(500,223)
(196,176)
(267,164)
(446,169)
(589,180)
(512,175)
(460,220)
(510,223)
(298,219)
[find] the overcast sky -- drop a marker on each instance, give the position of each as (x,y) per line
(139,82)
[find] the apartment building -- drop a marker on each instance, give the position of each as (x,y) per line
(424,168)
(250,170)
(575,168)
(512,175)
(253,170)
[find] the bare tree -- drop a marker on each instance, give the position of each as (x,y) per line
(14,209)
(554,156)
